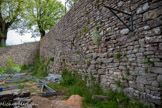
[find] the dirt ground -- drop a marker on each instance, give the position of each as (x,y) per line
(50,103)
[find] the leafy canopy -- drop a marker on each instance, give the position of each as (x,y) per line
(42,15)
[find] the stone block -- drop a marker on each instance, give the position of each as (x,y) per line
(157,70)
(159,78)
(124,31)
(152,14)
(142,8)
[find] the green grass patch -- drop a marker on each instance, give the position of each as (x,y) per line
(73,84)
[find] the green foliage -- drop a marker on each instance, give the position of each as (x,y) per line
(91,57)
(125,79)
(118,55)
(95,36)
(3,45)
(118,83)
(70,3)
(127,71)
(21,87)
(39,68)
(3,70)
(139,46)
(11,14)
(147,70)
(84,30)
(41,15)
(73,84)
(11,66)
(97,4)
(10,62)
(86,13)
(97,28)
(88,21)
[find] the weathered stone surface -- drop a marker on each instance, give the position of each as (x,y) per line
(152,14)
(157,70)
(159,78)
(157,31)
(22,54)
(120,3)
(143,8)
(124,31)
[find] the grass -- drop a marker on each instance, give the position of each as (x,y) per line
(3,45)
(73,84)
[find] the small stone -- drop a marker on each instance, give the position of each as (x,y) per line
(124,31)
(101,72)
(120,3)
(146,27)
(139,10)
(159,78)
(155,84)
(150,15)
(155,22)
(157,31)
(157,70)
(101,33)
(142,9)
(145,7)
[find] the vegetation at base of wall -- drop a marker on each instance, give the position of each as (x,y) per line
(40,67)
(73,84)
(3,45)
(11,67)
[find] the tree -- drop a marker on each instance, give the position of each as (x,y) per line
(42,15)
(10,12)
(70,3)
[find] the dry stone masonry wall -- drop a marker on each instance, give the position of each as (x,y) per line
(21,54)
(91,40)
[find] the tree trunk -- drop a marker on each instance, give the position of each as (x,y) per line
(42,32)
(3,33)
(3,38)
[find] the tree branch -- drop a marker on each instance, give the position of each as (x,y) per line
(1,18)
(16,14)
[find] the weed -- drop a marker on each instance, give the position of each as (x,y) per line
(125,79)
(147,70)
(127,71)
(118,83)
(39,69)
(86,13)
(118,55)
(91,57)
(96,37)
(139,46)
(88,21)
(84,30)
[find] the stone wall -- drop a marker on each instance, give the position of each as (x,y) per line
(22,54)
(91,40)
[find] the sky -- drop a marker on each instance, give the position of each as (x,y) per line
(13,38)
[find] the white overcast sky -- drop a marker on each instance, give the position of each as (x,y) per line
(13,38)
